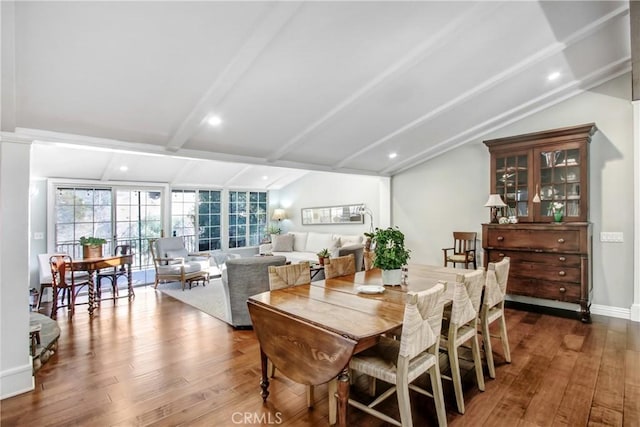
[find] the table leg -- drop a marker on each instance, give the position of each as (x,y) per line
(264,382)
(92,291)
(343,396)
(130,282)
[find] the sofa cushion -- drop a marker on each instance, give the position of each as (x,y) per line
(176,256)
(282,243)
(349,239)
(299,240)
(318,241)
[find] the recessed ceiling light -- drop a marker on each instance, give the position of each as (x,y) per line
(393,155)
(214,121)
(124,168)
(265,177)
(553,76)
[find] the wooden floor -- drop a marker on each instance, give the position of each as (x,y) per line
(160,362)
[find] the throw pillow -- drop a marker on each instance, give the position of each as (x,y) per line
(178,253)
(282,243)
(349,240)
(318,241)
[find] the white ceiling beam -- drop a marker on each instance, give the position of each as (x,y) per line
(515,114)
(277,17)
(228,183)
(497,79)
(410,60)
(105,176)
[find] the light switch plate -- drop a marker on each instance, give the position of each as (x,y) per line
(611,237)
(38,236)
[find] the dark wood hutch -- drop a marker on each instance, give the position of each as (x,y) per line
(535,174)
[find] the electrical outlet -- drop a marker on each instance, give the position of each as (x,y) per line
(38,236)
(611,237)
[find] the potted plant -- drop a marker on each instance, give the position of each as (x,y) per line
(323,256)
(390,254)
(92,246)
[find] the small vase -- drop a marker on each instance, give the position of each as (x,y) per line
(557,216)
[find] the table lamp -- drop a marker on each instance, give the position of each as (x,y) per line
(494,202)
(279,214)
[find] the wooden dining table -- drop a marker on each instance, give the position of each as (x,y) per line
(310,332)
(92,265)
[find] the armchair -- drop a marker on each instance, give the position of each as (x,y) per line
(172,262)
(463,250)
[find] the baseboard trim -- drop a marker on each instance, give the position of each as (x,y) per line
(535,308)
(17,380)
(605,310)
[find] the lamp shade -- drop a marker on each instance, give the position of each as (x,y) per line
(279,214)
(495,201)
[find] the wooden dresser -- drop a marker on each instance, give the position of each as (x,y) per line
(549,261)
(536,175)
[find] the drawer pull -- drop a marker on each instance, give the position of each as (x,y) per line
(563,259)
(561,240)
(563,290)
(561,273)
(500,238)
(501,255)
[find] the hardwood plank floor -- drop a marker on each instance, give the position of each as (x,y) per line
(159,362)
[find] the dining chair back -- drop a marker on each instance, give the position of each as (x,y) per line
(285,276)
(493,310)
(400,362)
(112,273)
(340,266)
(463,250)
(461,326)
(65,278)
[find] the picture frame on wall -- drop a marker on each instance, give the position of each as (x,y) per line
(342,214)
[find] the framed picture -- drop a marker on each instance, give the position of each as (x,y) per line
(345,214)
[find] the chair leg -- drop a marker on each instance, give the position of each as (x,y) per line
(438,396)
(72,302)
(488,352)
(504,338)
(454,362)
(404,404)
(40,298)
(54,303)
(477,361)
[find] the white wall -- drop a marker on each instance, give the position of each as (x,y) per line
(331,189)
(15,362)
(448,193)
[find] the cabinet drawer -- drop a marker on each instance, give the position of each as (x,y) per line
(553,240)
(568,260)
(545,272)
(546,289)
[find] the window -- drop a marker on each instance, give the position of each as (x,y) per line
(81,211)
(199,210)
(247,218)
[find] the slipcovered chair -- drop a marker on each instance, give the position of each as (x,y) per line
(492,310)
(400,362)
(340,266)
(358,254)
(241,278)
(461,326)
(173,263)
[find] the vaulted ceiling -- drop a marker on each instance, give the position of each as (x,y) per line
(331,86)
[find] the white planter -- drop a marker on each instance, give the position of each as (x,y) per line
(392,277)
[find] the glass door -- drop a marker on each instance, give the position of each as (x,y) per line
(511,182)
(561,190)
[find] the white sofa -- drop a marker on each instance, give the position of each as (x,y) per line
(299,246)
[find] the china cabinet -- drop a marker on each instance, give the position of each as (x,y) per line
(537,175)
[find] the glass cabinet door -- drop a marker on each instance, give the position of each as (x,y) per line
(512,183)
(560,179)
